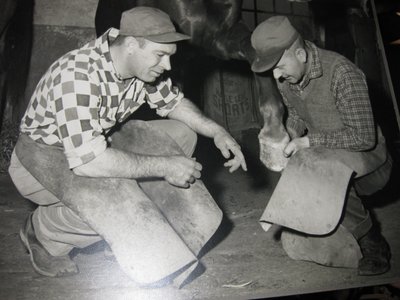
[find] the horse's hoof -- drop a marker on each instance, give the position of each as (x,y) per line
(271,154)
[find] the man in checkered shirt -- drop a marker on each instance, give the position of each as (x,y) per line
(328,107)
(81,97)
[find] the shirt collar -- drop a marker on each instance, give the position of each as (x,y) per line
(103,43)
(315,68)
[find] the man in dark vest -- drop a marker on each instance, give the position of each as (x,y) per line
(328,107)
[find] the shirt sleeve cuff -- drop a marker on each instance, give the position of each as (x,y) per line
(165,110)
(86,152)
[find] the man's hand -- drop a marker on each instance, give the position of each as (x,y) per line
(181,171)
(296,145)
(189,114)
(225,143)
(292,133)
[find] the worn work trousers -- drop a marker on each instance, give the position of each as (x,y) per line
(355,217)
(57,227)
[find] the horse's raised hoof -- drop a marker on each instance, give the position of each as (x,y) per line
(271,153)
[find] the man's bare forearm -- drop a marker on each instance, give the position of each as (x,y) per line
(117,163)
(189,114)
(177,170)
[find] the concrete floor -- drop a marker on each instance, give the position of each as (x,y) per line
(241,253)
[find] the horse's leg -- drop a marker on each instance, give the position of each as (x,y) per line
(273,136)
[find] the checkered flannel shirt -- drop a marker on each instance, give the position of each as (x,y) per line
(352,101)
(81,97)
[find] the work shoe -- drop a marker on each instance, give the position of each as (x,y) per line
(376,254)
(42,261)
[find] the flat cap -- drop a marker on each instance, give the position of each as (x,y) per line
(150,23)
(270,39)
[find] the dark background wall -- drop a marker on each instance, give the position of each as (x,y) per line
(35,33)
(59,26)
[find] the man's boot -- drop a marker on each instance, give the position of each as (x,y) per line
(376,254)
(42,261)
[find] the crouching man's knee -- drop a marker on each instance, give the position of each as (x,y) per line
(182,134)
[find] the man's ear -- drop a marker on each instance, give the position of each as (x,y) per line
(301,54)
(131,44)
